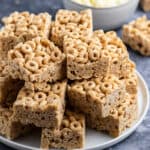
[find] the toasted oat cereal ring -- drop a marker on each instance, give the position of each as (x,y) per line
(40,96)
(75,35)
(75,125)
(78,87)
(57,88)
(82,57)
(56,55)
(46,88)
(66,132)
(19,17)
(89,85)
(70,27)
(65,123)
(32,65)
(63,18)
(106,87)
(75,17)
(26,48)
(94,53)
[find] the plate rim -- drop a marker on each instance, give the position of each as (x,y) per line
(114,141)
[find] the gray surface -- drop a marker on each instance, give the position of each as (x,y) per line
(140,139)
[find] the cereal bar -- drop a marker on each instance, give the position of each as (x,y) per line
(119,119)
(37,60)
(8,127)
(136,35)
(145,5)
(70,135)
(97,56)
(96,96)
(68,22)
(23,26)
(41,104)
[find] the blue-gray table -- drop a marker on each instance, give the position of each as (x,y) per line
(140,139)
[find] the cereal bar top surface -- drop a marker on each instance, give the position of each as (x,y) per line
(72,120)
(42,96)
(36,55)
(82,19)
(99,88)
(19,23)
(141,26)
(71,22)
(84,50)
(126,106)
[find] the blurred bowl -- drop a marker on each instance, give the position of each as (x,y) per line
(107,18)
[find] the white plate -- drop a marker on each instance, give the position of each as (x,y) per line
(94,140)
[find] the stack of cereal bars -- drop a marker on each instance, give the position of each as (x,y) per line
(60,76)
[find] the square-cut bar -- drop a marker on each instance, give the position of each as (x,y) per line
(41,104)
(96,96)
(37,60)
(23,26)
(96,56)
(119,119)
(136,35)
(68,22)
(70,135)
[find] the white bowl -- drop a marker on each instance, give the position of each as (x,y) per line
(107,18)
